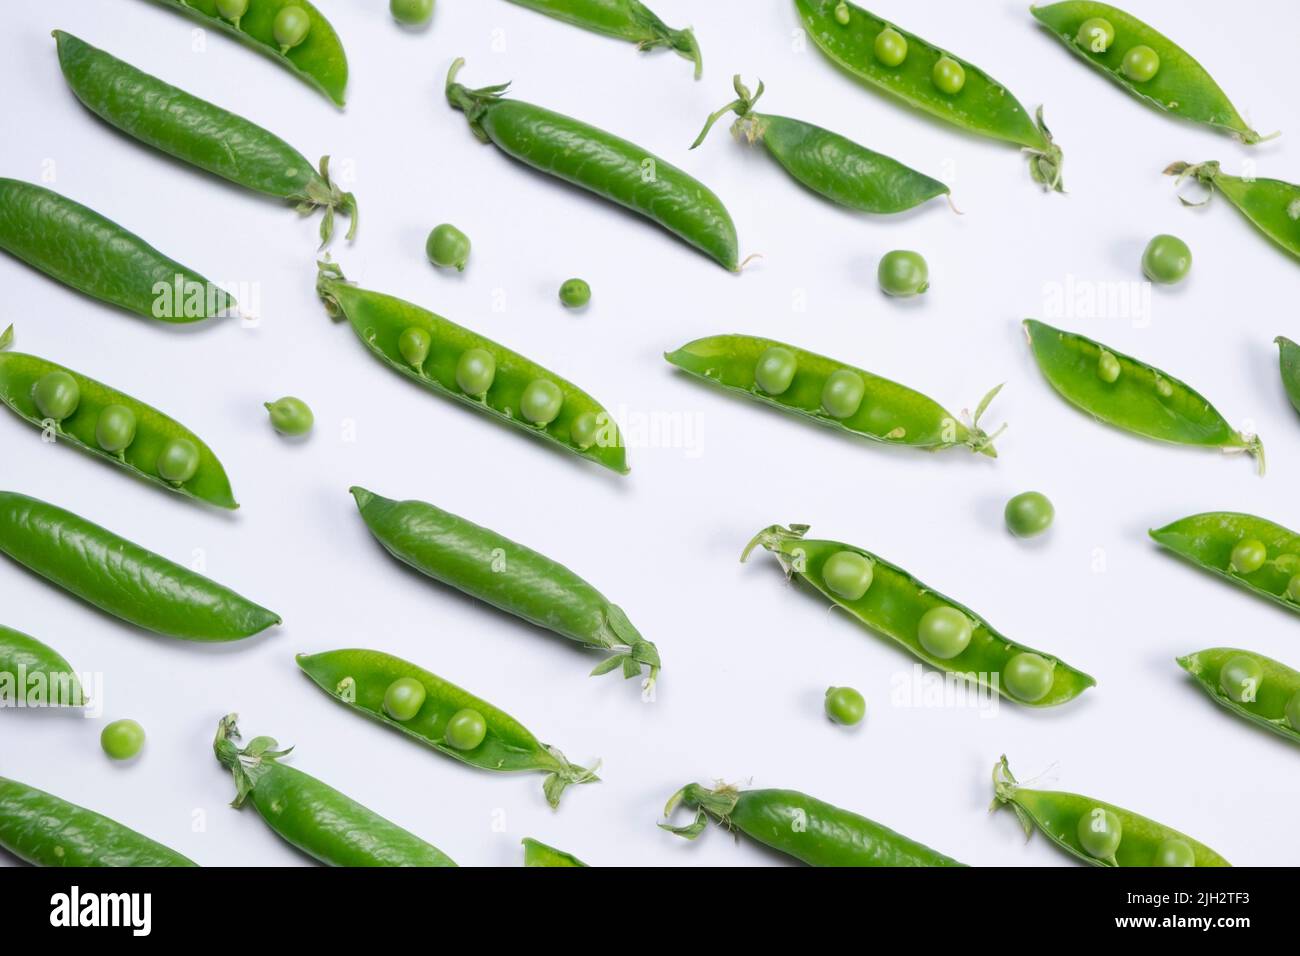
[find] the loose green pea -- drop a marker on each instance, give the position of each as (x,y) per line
(290,27)
(891,47)
(1166,260)
(1028,676)
(1249,556)
(122,739)
(945,632)
(56,395)
(1240,678)
(842,13)
(775,370)
(541,401)
(1174,852)
(948,75)
(1108,368)
(290,416)
(1140,64)
(404,698)
(178,461)
(585,430)
(414,344)
(1293,588)
(1095,35)
(411,12)
(575,293)
(447,247)
(903,273)
(232,10)
(1100,833)
(847,574)
(846,706)
(466,729)
(1293,711)
(115,428)
(843,393)
(1028,514)
(475,371)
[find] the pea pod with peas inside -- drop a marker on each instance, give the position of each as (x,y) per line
(1263,691)
(949,636)
(1271,205)
(1253,553)
(32,674)
(1125,392)
(830,393)
(74,409)
(361,679)
(627,20)
(926,77)
(1096,832)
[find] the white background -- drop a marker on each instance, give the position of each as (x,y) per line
(747,658)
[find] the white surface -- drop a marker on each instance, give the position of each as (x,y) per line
(746,659)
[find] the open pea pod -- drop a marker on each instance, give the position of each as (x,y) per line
(945,634)
(1254,553)
(1097,832)
(539,854)
(1289,359)
(1272,206)
(628,20)
(1264,691)
(33,674)
(360,679)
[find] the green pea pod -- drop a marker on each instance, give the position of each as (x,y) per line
(1289,358)
(888,412)
(200,133)
(121,578)
(1143,842)
(581,427)
(808,829)
(80,248)
(1273,700)
(35,675)
(1139,398)
(1208,540)
(539,854)
(627,20)
(360,678)
(314,817)
(509,576)
(41,829)
(19,375)
(600,163)
(982,105)
(319,59)
(894,604)
(1272,206)
(827,163)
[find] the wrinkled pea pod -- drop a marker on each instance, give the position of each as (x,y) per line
(831,393)
(1289,359)
(317,58)
(327,825)
(1272,206)
(825,162)
(539,854)
(627,20)
(1096,832)
(1260,689)
(200,133)
(44,830)
(454,362)
(361,678)
(946,635)
(122,578)
(808,829)
(32,674)
(111,425)
(80,248)
(851,38)
(600,163)
(1128,393)
(1104,36)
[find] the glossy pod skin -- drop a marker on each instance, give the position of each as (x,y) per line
(1208,541)
(44,830)
(1275,698)
(801,826)
(379,321)
(627,20)
(600,163)
(1057,814)
(983,105)
(319,59)
(359,678)
(1289,360)
(889,412)
(314,817)
(80,248)
(509,576)
(894,604)
(539,854)
(1142,399)
(1272,206)
(121,578)
(198,132)
(19,375)
(1180,87)
(33,674)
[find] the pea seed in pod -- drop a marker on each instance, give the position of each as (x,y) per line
(414,344)
(178,461)
(903,273)
(949,76)
(890,47)
(1140,64)
(1293,711)
(475,372)
(1028,676)
(466,729)
(945,632)
(1241,677)
(447,247)
(1174,852)
(115,428)
(775,370)
(842,15)
(585,430)
(232,10)
(844,705)
(1095,35)
(56,395)
(1248,556)
(1028,514)
(843,393)
(122,739)
(290,416)
(575,294)
(1293,588)
(1100,833)
(1166,260)
(404,698)
(1108,368)
(848,574)
(411,12)
(290,27)
(541,401)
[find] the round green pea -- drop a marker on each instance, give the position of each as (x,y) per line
(1293,711)
(575,293)
(411,12)
(414,344)
(1240,678)
(949,76)
(466,729)
(447,247)
(475,371)
(1140,64)
(232,10)
(1293,588)
(122,739)
(1166,259)
(1248,556)
(1029,513)
(903,273)
(891,47)
(1095,35)
(541,401)
(1174,852)
(404,698)
(944,632)
(1100,832)
(842,13)
(179,461)
(775,370)
(847,574)
(1108,368)
(290,27)
(115,428)
(1028,676)
(1164,389)
(846,706)
(843,393)
(585,430)
(290,416)
(56,395)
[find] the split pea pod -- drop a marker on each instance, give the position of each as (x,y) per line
(1096,832)
(808,829)
(32,674)
(200,133)
(627,20)
(539,854)
(1257,688)
(946,635)
(1289,360)
(600,163)
(1271,205)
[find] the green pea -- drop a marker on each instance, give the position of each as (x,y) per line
(404,698)
(1240,678)
(775,370)
(290,416)
(1100,833)
(944,632)
(903,273)
(843,393)
(122,739)
(178,461)
(411,12)
(541,401)
(846,706)
(842,13)
(447,247)
(232,10)
(585,430)
(1028,676)
(414,344)
(1166,260)
(115,428)
(475,371)
(1164,389)
(1140,64)
(466,729)
(891,47)
(1108,368)
(56,395)
(290,27)
(1293,711)
(575,293)
(847,574)
(1095,35)
(949,76)
(1293,588)
(1249,556)
(1174,852)
(1028,514)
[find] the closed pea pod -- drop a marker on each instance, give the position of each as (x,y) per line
(539,854)
(33,674)
(1271,205)
(628,20)
(1273,700)
(1289,360)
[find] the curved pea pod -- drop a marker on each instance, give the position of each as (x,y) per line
(1140,399)
(1207,541)
(306,813)
(601,163)
(360,678)
(983,105)
(19,375)
(827,163)
(893,605)
(122,578)
(45,830)
(1289,359)
(509,576)
(627,20)
(889,413)
(1057,814)
(1272,206)
(80,248)
(379,321)
(200,133)
(539,854)
(319,59)
(1274,700)
(808,829)
(33,674)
